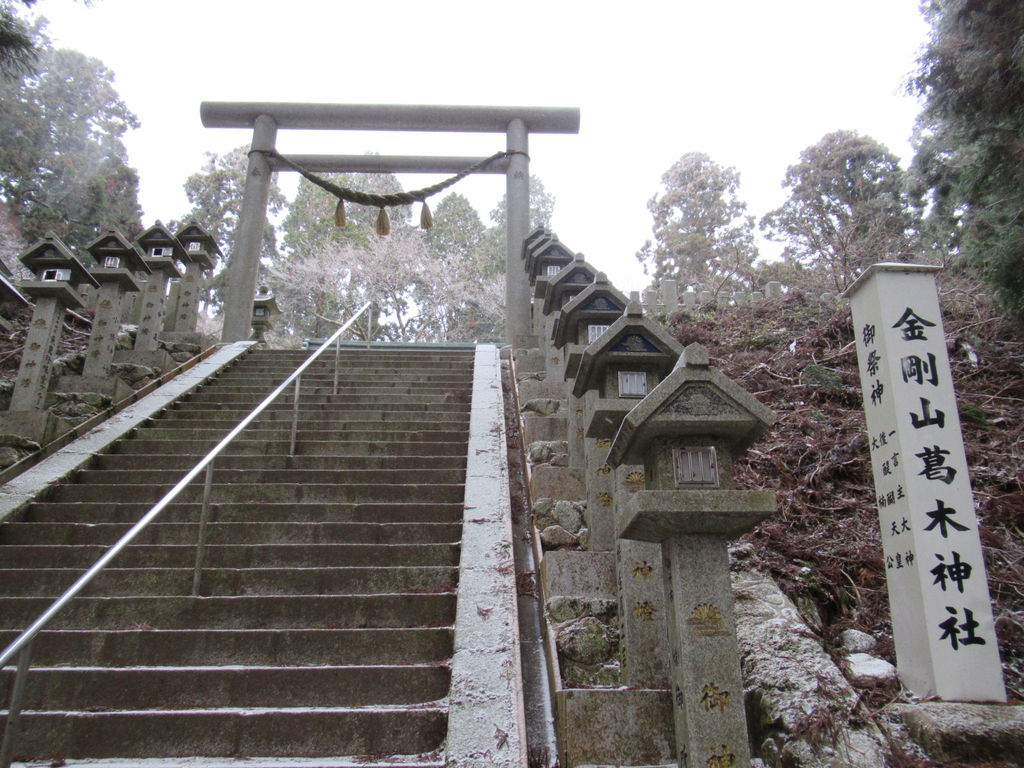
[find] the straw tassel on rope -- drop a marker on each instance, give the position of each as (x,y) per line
(340,219)
(383,223)
(426,218)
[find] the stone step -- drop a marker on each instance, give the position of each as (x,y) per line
(183,463)
(302,732)
(360,358)
(233,555)
(309,512)
(247,446)
(326,423)
(242,612)
(188,687)
(233,533)
(316,393)
(360,355)
(376,432)
(257,493)
(314,399)
(283,412)
(122,582)
(261,475)
(218,647)
(381,377)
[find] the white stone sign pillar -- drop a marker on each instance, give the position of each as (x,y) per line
(938,592)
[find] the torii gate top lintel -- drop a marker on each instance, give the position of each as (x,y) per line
(389,117)
(265,118)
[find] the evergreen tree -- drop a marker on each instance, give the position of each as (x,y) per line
(702,235)
(63,165)
(18,51)
(847,208)
(969,166)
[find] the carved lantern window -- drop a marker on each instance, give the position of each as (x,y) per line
(632,384)
(695,467)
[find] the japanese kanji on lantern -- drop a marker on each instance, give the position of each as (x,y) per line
(938,592)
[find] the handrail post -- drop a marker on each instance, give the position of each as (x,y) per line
(204,517)
(337,349)
(295,416)
(369,326)
(14,709)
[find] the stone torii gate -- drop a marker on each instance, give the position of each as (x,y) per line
(265,118)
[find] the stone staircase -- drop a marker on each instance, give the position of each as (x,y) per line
(325,618)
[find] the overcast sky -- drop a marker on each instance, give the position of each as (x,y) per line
(749,82)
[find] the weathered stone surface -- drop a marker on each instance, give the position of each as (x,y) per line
(583,574)
(587,640)
(566,608)
(78,404)
(8,456)
(528,360)
(555,537)
(546,451)
(557,483)
(865,669)
(531,389)
(568,514)
(792,685)
(542,517)
(614,727)
(13,448)
(543,428)
(68,364)
(855,641)
(542,406)
(135,375)
(969,732)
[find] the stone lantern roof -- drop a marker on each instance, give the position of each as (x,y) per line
(207,246)
(573,278)
(599,302)
(266,300)
(129,260)
(694,400)
(51,253)
(537,235)
(631,338)
(547,252)
(158,236)
(113,243)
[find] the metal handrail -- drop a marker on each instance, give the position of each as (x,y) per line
(22,645)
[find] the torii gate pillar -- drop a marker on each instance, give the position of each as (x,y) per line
(252,220)
(517,226)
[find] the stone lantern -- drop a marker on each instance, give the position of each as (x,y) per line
(570,280)
(543,260)
(117,264)
(183,303)
(686,434)
(58,274)
(264,310)
(165,257)
(582,321)
(616,371)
